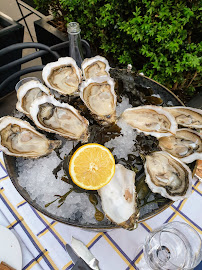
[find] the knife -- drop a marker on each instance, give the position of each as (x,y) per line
(83,252)
(79,263)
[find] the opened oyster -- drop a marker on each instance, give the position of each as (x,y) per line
(151,120)
(27,93)
(119,198)
(100,98)
(186,116)
(185,145)
(168,176)
(18,138)
(95,67)
(63,76)
(50,115)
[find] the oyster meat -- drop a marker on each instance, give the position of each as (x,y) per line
(186,145)
(186,116)
(168,176)
(64,76)
(100,98)
(27,93)
(52,116)
(151,120)
(95,67)
(18,138)
(119,198)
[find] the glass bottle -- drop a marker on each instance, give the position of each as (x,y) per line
(75,48)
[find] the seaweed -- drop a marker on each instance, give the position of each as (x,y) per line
(99,216)
(60,198)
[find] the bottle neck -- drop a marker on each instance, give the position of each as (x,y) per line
(75,47)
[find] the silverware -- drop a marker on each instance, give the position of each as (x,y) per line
(79,263)
(81,256)
(82,251)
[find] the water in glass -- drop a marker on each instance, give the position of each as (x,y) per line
(25,80)
(173,246)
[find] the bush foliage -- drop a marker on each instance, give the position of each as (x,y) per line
(162,39)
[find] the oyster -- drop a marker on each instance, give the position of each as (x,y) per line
(168,176)
(186,116)
(50,115)
(95,67)
(100,98)
(185,145)
(198,170)
(119,198)
(63,76)
(27,93)
(18,138)
(151,120)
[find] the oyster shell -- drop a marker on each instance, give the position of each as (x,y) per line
(95,67)
(151,120)
(168,176)
(100,98)
(198,170)
(185,145)
(27,93)
(186,116)
(18,138)
(63,76)
(119,198)
(52,116)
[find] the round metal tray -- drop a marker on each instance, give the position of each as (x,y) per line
(10,162)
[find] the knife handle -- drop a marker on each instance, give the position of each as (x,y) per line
(81,265)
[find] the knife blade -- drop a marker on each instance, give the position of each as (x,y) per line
(71,253)
(83,252)
(79,263)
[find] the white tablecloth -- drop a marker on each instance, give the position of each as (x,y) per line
(43,240)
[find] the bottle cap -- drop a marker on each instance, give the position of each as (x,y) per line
(73,28)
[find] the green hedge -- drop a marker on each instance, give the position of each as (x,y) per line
(162,39)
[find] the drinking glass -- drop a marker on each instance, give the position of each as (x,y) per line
(25,80)
(173,246)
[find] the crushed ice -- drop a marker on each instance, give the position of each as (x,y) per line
(122,106)
(170,103)
(123,144)
(156,95)
(127,137)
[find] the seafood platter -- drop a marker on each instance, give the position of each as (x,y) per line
(154,139)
